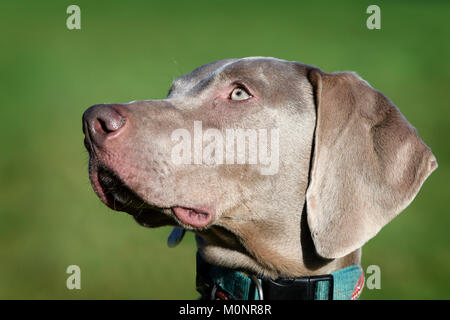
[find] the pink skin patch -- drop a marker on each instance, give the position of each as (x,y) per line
(194,218)
(98,187)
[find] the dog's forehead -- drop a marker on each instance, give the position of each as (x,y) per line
(189,80)
(245,67)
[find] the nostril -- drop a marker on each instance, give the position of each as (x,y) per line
(108,126)
(100,126)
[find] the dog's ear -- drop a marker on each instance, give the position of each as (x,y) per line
(368,163)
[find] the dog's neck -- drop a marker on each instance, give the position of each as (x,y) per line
(220,283)
(233,255)
(224,263)
(268,235)
(283,255)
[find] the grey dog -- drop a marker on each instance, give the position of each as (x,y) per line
(349,162)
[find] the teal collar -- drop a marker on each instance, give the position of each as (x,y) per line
(214,282)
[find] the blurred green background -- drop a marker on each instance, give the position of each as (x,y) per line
(50,217)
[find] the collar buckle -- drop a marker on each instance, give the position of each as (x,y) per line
(303,288)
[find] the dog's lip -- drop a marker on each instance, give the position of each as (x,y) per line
(117,200)
(194,217)
(99,189)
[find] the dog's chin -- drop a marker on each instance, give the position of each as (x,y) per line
(119,197)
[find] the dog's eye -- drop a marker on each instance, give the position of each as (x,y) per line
(239,94)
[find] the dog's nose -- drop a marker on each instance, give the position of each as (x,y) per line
(102,121)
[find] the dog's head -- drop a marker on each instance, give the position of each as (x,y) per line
(270,162)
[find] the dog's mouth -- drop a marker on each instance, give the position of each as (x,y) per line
(117,195)
(114,193)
